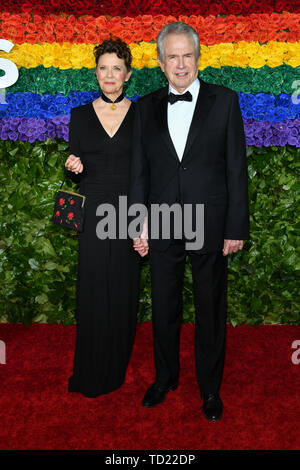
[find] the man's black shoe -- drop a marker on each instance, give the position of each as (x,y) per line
(212,406)
(156,394)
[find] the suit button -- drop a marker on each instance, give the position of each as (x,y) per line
(184,168)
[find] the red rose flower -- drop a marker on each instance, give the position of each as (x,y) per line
(247,4)
(57,213)
(215,9)
(70,215)
(236,8)
(61,201)
(72,201)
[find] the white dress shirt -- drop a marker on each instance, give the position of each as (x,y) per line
(180,115)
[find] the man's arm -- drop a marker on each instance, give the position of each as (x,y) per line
(237,218)
(139,175)
(139,180)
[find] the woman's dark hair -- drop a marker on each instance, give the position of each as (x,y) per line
(116,46)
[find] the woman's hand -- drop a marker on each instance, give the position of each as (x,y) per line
(74,164)
(141,244)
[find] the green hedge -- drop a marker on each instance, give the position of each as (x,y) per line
(38,260)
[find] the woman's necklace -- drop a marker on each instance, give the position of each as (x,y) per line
(107,100)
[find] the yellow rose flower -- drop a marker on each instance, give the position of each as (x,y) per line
(136,51)
(152,63)
(56,63)
(149,49)
(137,64)
(48,61)
(65,64)
(274,61)
(231,60)
(252,48)
(214,62)
(256,62)
(293,62)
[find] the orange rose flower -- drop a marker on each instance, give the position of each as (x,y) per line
(26,17)
(147,19)
(91,27)
(31,38)
(79,28)
(159,19)
(38,19)
(71,20)
(193,21)
(126,36)
(101,21)
(137,36)
(128,22)
(241,27)
(48,28)
(5,16)
(283,36)
(91,37)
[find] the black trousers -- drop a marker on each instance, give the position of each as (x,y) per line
(210,300)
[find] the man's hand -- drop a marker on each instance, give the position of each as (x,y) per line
(232,246)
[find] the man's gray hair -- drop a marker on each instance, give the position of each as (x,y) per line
(177,28)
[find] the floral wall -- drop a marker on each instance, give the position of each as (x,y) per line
(250,46)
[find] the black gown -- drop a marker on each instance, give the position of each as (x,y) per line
(108,269)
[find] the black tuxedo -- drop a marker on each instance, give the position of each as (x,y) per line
(212,171)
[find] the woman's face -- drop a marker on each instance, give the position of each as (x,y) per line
(111,73)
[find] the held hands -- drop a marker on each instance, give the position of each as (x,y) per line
(141,244)
(74,164)
(232,246)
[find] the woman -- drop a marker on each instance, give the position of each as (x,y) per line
(108,269)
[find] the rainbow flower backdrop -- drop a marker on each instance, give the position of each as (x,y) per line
(251,46)
(257,54)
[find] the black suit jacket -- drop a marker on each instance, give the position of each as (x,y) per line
(213,170)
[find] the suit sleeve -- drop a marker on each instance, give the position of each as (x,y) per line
(237,219)
(74,145)
(139,174)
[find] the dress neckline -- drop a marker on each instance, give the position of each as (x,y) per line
(121,124)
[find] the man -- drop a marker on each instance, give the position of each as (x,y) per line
(190,149)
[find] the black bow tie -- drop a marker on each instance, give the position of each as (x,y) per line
(185,97)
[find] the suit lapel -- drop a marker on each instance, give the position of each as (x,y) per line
(162,120)
(203,106)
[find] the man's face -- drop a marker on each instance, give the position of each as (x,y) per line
(180,65)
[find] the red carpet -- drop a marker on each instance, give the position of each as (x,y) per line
(260,391)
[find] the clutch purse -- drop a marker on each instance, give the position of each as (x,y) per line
(69,210)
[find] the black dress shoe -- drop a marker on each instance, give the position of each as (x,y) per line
(156,394)
(212,406)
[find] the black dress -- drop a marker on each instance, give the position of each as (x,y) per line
(108,269)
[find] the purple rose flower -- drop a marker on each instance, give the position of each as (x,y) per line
(13,135)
